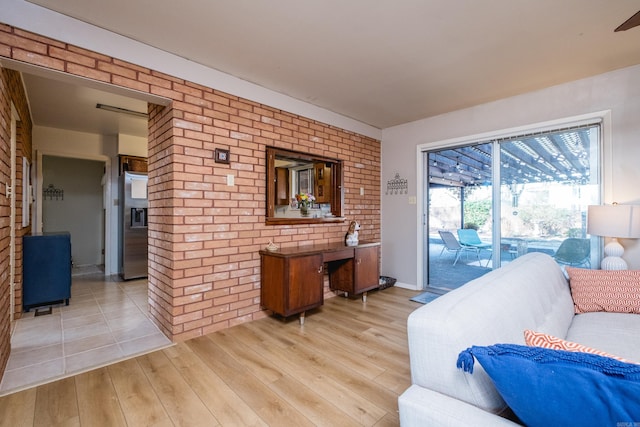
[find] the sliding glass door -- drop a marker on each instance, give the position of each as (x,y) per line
(490,202)
(459,221)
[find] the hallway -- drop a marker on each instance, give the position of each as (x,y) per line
(106,321)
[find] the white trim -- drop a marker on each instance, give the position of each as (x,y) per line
(26,193)
(406,286)
(583,119)
(420,216)
(606,169)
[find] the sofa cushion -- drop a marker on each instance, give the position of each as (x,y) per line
(615,333)
(615,291)
(547,387)
(538,339)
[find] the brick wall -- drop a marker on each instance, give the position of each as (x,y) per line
(23,149)
(11,92)
(204,236)
(5,157)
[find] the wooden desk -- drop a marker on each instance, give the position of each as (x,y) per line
(292,279)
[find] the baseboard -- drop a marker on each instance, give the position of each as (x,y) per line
(407,286)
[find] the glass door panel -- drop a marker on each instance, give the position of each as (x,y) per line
(459,221)
(547,182)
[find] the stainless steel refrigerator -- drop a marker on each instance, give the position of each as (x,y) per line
(133,225)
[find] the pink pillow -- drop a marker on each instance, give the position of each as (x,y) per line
(538,339)
(616,291)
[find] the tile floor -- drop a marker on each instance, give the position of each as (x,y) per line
(105,321)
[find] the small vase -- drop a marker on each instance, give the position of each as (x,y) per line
(304,210)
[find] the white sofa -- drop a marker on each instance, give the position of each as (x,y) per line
(528,293)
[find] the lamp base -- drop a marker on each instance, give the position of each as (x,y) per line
(613,252)
(613,263)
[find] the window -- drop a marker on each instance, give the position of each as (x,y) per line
(305,180)
(290,173)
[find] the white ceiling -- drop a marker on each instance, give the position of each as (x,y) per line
(71,106)
(384,62)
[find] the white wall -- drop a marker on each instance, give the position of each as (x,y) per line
(618,92)
(133,145)
(80,210)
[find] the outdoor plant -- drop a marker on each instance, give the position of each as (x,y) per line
(476,213)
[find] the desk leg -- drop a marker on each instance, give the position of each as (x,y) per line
(301,318)
(364,297)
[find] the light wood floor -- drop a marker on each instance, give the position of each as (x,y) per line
(345,366)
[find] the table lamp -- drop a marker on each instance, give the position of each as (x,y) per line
(615,221)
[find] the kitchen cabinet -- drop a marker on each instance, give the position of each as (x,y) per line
(133,164)
(322,183)
(283,195)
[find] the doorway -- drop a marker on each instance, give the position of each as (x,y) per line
(72,200)
(69,129)
(489,202)
(460,225)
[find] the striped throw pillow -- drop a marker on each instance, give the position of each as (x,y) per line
(615,291)
(538,339)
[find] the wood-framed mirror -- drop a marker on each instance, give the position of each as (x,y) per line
(303,188)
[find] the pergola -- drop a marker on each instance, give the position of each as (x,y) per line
(561,156)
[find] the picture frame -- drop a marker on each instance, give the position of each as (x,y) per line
(221,156)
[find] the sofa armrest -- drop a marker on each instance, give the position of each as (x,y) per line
(420,406)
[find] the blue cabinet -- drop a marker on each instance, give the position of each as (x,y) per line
(46,263)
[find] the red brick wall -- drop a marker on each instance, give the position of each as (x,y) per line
(23,149)
(5,157)
(204,236)
(11,92)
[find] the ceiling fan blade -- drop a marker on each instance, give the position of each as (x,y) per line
(634,21)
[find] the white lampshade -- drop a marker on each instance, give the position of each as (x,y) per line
(616,221)
(622,221)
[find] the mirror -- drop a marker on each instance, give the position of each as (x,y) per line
(303,188)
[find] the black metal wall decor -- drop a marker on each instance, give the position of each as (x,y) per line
(52,193)
(397,185)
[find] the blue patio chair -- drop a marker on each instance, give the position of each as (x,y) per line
(451,244)
(469,239)
(574,252)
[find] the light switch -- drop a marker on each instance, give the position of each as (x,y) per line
(412,200)
(362,191)
(230,180)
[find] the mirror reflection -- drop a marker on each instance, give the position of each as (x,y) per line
(303,187)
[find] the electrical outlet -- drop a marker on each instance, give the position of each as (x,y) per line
(230,180)
(412,200)
(362,191)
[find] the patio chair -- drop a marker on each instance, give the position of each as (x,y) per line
(574,252)
(469,239)
(451,244)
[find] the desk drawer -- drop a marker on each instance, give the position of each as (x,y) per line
(345,253)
